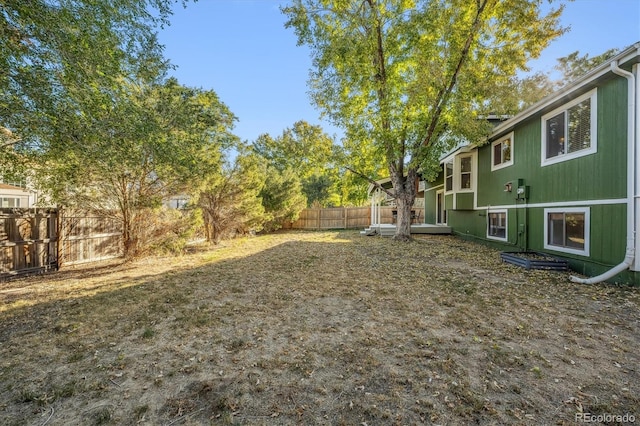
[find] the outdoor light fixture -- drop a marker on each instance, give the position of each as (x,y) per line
(508,186)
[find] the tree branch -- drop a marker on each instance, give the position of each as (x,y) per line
(372,182)
(444,93)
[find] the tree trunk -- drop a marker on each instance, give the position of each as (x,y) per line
(405,191)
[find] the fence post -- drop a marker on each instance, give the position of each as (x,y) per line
(346,217)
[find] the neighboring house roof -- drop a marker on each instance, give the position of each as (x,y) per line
(4,187)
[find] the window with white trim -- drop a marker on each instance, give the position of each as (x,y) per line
(9,202)
(502,152)
(448,176)
(497,225)
(570,131)
(465,172)
(567,230)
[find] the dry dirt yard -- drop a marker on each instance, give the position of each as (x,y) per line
(322,328)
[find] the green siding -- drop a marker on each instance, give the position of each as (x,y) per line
(601,175)
(448,202)
(464,201)
(598,176)
(468,222)
(431,188)
(430,206)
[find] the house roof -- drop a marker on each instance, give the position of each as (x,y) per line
(627,57)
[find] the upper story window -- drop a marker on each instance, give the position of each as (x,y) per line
(466,172)
(502,152)
(570,131)
(460,172)
(448,176)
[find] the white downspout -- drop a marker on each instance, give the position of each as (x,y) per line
(631,178)
(636,266)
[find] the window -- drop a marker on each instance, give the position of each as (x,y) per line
(466,174)
(502,152)
(10,202)
(567,230)
(448,176)
(570,132)
(497,225)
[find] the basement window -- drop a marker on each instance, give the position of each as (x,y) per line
(497,225)
(567,230)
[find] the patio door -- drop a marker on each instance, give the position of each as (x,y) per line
(441,212)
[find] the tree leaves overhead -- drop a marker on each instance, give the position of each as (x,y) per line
(52,49)
(574,66)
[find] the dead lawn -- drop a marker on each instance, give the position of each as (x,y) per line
(322,328)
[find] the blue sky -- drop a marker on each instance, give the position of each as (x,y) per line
(240,49)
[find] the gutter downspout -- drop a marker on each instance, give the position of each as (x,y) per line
(631,177)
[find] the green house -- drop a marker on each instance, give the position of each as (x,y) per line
(559,178)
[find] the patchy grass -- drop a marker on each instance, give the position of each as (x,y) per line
(317,328)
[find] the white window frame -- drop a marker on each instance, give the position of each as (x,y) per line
(453,174)
(587,229)
(457,173)
(503,164)
(506,224)
(7,199)
(441,212)
(593,96)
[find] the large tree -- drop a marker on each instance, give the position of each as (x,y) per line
(311,152)
(149,142)
(230,198)
(403,74)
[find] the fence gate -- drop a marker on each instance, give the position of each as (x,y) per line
(86,237)
(28,241)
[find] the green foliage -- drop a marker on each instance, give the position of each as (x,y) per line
(230,200)
(282,197)
(149,142)
(574,66)
(171,230)
(522,93)
(57,51)
(312,153)
(402,73)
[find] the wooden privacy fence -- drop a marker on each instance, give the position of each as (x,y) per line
(88,238)
(345,217)
(28,241)
(40,240)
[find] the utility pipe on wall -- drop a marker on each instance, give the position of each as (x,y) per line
(631,181)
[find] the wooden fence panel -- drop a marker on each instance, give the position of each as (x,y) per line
(345,218)
(33,241)
(88,238)
(28,241)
